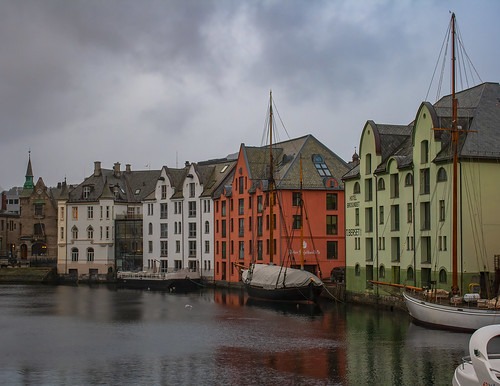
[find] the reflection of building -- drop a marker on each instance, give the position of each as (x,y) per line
(38,233)
(100,221)
(242,210)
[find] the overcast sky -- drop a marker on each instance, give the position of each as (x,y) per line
(154,83)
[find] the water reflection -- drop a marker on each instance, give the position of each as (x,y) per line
(84,335)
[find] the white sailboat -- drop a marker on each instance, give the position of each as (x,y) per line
(455,314)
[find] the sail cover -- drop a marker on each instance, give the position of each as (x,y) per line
(275,276)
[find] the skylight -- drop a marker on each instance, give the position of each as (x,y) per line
(321,166)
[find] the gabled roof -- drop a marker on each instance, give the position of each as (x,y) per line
(287,158)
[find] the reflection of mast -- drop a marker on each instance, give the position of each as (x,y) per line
(271,179)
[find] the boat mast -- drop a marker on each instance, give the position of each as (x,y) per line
(301,220)
(454,144)
(271,180)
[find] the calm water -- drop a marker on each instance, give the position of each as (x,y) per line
(100,336)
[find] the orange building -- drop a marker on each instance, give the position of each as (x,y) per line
(242,210)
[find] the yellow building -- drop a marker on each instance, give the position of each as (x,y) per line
(398,198)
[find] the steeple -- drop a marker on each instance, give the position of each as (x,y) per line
(28,183)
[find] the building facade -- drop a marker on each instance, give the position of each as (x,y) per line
(308,217)
(399,197)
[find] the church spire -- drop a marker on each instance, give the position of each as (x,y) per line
(28,183)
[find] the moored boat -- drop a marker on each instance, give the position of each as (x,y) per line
(480,368)
(178,281)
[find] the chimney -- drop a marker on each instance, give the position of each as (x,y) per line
(116,169)
(97,168)
(127,168)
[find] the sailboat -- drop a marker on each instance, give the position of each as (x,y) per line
(279,282)
(468,312)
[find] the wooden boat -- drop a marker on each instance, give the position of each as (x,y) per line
(279,282)
(453,311)
(480,368)
(179,281)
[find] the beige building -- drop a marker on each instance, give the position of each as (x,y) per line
(398,198)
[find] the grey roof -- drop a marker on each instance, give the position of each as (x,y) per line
(125,186)
(287,158)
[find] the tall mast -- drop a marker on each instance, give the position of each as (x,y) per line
(271,180)
(454,144)
(301,219)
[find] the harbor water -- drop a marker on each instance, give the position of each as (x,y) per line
(63,335)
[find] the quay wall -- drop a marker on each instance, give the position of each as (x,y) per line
(28,275)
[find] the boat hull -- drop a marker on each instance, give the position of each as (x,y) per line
(181,281)
(309,293)
(449,317)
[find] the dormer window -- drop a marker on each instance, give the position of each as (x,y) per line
(86,192)
(321,166)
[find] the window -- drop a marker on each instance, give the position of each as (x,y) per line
(395,249)
(86,192)
(381,215)
(297,221)
(74,213)
(74,254)
(107,233)
(409,213)
(331,225)
(150,228)
(90,212)
(107,212)
(62,213)
(409,274)
(150,210)
(356,189)
(164,192)
(241,227)
(356,217)
(163,210)
(442,210)
(441,175)
(223,208)
(163,248)
(259,225)
(38,229)
(259,204)
(74,232)
(394,217)
(357,270)
(369,219)
(259,249)
(332,250)
(192,248)
(296,198)
(241,250)
(381,272)
(381,184)
(192,190)
(368,189)
(206,207)
(163,230)
(38,208)
(409,179)
(90,233)
(425,216)
(394,185)
(321,166)
(425,181)
(424,152)
(90,254)
(368,164)
(192,229)
(331,201)
(62,233)
(223,228)
(207,246)
(241,206)
(177,246)
(150,246)
(442,276)
(207,227)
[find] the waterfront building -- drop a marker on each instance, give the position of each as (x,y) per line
(398,198)
(100,221)
(178,217)
(242,210)
(9,222)
(37,241)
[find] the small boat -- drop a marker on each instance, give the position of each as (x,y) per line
(178,281)
(275,282)
(479,368)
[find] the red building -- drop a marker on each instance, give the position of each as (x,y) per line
(242,210)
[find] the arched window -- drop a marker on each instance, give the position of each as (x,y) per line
(443,276)
(409,274)
(74,232)
(207,227)
(90,254)
(356,189)
(357,270)
(150,228)
(381,184)
(381,272)
(441,175)
(409,179)
(74,254)
(90,233)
